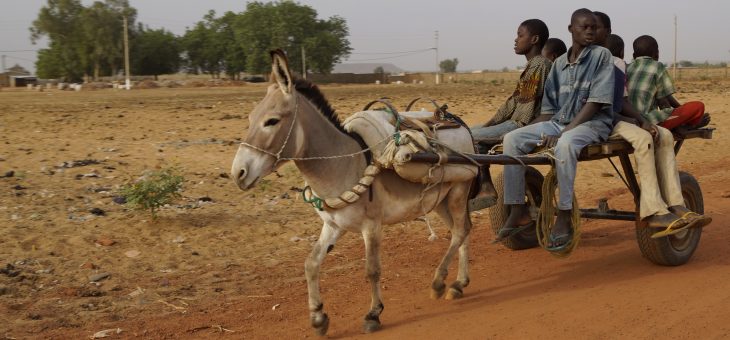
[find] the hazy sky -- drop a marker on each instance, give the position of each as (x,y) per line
(479,33)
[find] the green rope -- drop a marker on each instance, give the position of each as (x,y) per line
(314,201)
(396,135)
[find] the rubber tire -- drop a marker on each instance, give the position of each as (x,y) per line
(674,250)
(498,213)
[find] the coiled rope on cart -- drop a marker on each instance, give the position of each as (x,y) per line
(548,209)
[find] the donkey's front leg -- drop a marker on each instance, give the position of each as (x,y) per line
(373,236)
(327,239)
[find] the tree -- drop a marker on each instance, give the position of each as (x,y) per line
(291,27)
(155,52)
(203,49)
(234,58)
(328,46)
(83,40)
(60,21)
(686,63)
(52,63)
(448,65)
(102,26)
(379,70)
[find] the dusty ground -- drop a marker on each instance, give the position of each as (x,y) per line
(233,267)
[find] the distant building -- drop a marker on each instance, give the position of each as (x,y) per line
(16,76)
(17,70)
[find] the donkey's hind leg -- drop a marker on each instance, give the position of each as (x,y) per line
(454,213)
(456,289)
(327,238)
(372,235)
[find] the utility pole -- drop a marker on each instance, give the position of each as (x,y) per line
(127,83)
(3,63)
(304,64)
(438,68)
(674,69)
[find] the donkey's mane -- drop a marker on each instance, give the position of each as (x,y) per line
(315,96)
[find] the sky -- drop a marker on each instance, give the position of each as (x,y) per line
(479,33)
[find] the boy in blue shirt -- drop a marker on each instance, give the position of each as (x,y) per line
(576,111)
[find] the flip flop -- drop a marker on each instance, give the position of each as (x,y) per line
(672,228)
(479,203)
(507,232)
(696,220)
(565,239)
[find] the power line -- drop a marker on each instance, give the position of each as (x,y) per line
(11,57)
(393,57)
(375,53)
(15,51)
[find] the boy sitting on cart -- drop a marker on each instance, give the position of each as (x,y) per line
(576,111)
(524,103)
(650,84)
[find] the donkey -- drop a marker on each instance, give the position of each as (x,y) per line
(295,122)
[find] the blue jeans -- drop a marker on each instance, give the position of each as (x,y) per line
(494,131)
(524,140)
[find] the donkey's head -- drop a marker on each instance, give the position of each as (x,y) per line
(272,128)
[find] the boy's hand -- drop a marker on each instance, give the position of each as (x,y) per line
(651,128)
(549,141)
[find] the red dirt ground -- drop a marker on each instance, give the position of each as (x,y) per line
(219,269)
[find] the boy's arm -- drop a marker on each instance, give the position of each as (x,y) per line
(544,117)
(490,122)
(626,119)
(585,114)
(667,102)
(601,93)
(665,89)
(663,103)
(549,105)
(631,114)
(673,102)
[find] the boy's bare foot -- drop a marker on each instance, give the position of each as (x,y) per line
(704,121)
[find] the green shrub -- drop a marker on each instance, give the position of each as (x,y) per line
(153,190)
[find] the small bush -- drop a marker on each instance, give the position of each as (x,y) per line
(154,189)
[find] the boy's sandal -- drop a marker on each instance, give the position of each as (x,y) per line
(507,232)
(673,228)
(695,220)
(564,241)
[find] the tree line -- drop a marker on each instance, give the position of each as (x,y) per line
(87,42)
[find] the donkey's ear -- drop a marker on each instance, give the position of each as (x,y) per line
(280,71)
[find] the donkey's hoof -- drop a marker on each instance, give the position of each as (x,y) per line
(454,293)
(437,293)
(322,326)
(371,326)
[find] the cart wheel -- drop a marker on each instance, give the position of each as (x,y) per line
(676,249)
(499,212)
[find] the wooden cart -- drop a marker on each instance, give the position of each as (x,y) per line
(671,251)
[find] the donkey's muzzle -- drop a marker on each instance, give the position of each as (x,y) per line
(239,176)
